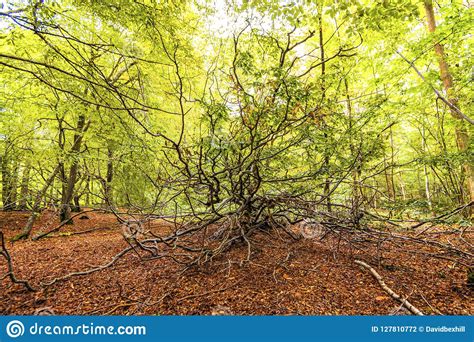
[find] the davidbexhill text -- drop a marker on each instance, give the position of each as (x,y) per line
(445,329)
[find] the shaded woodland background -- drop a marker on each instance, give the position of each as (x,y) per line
(198,133)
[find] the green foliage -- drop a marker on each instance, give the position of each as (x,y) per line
(169,103)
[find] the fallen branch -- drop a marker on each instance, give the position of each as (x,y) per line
(86,231)
(447,247)
(445,215)
(387,289)
(62,224)
(91,270)
(4,252)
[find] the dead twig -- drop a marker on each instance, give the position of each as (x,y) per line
(207,293)
(387,289)
(435,310)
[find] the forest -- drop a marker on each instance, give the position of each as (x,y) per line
(237,157)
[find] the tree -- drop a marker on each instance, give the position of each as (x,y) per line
(462,135)
(291,112)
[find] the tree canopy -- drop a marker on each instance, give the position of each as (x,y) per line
(260,110)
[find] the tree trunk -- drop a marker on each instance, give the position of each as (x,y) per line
(88,191)
(77,204)
(425,170)
(356,172)
(461,133)
(24,188)
(402,185)
(392,166)
(327,181)
(14,185)
(7,183)
(36,206)
(108,179)
(65,212)
(388,180)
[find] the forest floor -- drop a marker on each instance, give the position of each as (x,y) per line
(283,277)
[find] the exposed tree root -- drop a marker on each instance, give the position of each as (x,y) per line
(4,252)
(199,241)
